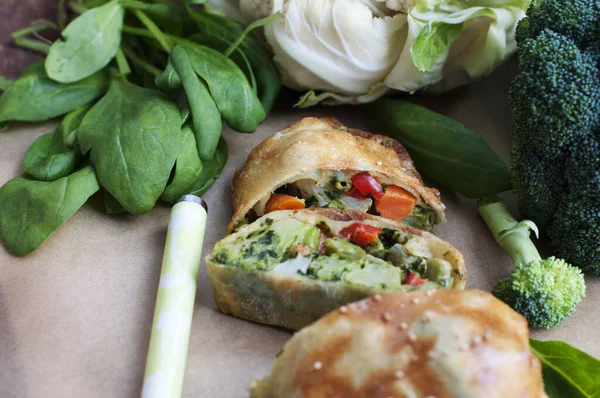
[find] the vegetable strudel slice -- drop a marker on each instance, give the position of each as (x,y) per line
(321,163)
(289,267)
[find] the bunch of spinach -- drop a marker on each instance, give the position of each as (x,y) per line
(143,87)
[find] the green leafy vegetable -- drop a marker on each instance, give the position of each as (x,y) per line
(133,134)
(204,111)
(239,106)
(32,210)
(91,41)
(5,83)
(49,159)
(169,82)
(187,168)
(443,149)
(164,41)
(211,169)
(220,33)
(35,97)
(111,204)
(22,37)
(568,372)
(70,123)
(142,144)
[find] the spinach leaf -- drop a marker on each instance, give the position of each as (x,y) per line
(211,169)
(70,123)
(49,159)
(204,111)
(35,97)
(239,106)
(238,56)
(568,372)
(169,82)
(91,41)
(443,149)
(111,204)
(32,210)
(187,168)
(219,33)
(5,83)
(133,134)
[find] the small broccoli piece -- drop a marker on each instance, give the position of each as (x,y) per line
(544,291)
(555,102)
(526,290)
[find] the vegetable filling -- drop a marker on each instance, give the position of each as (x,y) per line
(358,254)
(360,191)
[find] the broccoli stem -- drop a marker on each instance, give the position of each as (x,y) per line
(512,236)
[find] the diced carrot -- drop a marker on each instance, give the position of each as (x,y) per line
(281,201)
(396,204)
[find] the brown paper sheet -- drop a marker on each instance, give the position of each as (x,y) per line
(75,315)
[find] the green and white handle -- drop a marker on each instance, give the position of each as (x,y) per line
(167,353)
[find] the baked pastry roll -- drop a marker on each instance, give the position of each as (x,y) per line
(436,343)
(290,267)
(321,163)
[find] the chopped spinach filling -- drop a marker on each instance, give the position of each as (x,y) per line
(385,263)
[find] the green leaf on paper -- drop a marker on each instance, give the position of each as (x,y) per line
(443,149)
(568,372)
(32,210)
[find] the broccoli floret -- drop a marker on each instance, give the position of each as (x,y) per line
(556,95)
(544,291)
(575,233)
(555,102)
(526,290)
(536,183)
(575,19)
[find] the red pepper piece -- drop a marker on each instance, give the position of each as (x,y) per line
(414,279)
(360,234)
(355,193)
(367,185)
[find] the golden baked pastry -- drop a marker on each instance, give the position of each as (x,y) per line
(322,163)
(437,343)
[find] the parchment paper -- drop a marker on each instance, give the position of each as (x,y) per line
(75,315)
